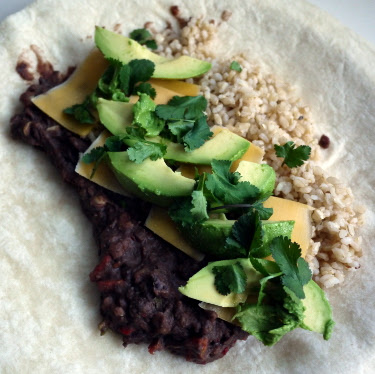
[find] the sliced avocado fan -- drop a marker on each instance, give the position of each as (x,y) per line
(119,47)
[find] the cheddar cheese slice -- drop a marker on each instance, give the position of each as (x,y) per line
(74,91)
(284,210)
(103,175)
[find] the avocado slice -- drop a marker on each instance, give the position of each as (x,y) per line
(121,48)
(223,146)
(115,115)
(201,285)
(210,236)
(262,176)
(318,312)
(152,181)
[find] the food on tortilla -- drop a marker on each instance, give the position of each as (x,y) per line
(143,137)
(242,63)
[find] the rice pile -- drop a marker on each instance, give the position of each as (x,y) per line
(260,107)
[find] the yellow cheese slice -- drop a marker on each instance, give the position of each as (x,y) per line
(183,88)
(253,154)
(225,314)
(83,82)
(103,175)
(284,210)
(74,91)
(161,224)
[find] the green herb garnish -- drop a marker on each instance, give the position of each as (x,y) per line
(186,120)
(235,66)
(293,156)
(230,278)
(145,116)
(81,112)
(296,271)
(143,37)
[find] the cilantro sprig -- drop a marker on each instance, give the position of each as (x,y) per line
(83,112)
(143,37)
(98,154)
(186,120)
(278,309)
(230,278)
(218,189)
(236,66)
(117,83)
(296,271)
(293,156)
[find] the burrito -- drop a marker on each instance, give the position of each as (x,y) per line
(48,243)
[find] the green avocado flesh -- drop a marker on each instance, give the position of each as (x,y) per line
(223,146)
(201,285)
(121,48)
(318,312)
(152,181)
(115,115)
(210,236)
(260,175)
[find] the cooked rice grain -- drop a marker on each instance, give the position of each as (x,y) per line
(257,105)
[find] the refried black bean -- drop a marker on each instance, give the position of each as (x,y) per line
(138,274)
(324,141)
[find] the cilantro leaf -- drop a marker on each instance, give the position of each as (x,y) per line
(81,112)
(199,201)
(235,66)
(119,96)
(146,88)
(296,272)
(94,155)
(151,44)
(114,144)
(230,278)
(263,266)
(122,78)
(144,149)
(293,156)
(141,71)
(180,128)
(225,186)
(145,117)
(186,107)
(199,210)
(257,249)
(234,248)
(264,213)
(263,283)
(143,37)
(197,136)
(244,228)
(269,323)
(180,212)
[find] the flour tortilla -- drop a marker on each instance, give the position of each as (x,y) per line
(49,310)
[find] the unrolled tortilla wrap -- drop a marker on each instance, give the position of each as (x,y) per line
(49,310)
